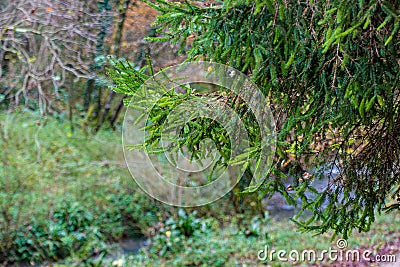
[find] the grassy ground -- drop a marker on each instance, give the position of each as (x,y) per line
(64,193)
(239,246)
(66,197)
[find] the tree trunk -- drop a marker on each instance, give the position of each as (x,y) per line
(3,62)
(70,103)
(107,108)
(123,8)
(117,111)
(102,6)
(117,40)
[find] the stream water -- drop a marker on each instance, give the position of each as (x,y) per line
(132,245)
(279,210)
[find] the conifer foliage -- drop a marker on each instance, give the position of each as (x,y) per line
(331,70)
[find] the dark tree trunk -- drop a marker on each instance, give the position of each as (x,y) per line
(117,111)
(116,50)
(102,6)
(107,108)
(70,103)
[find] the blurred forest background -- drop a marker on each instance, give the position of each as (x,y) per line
(66,197)
(54,55)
